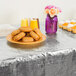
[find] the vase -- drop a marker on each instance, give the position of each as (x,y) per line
(51,24)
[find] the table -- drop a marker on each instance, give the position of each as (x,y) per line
(54,57)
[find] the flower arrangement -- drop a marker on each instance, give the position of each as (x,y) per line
(52,10)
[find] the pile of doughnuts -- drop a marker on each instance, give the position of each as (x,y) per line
(26,34)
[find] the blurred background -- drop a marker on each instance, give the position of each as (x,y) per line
(12,11)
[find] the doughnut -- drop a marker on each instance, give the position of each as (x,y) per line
(38,32)
(15,32)
(19,36)
(34,35)
(27,39)
(25,29)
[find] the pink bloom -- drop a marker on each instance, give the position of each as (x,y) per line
(46,7)
(59,9)
(49,7)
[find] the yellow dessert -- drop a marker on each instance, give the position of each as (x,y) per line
(65,26)
(60,26)
(74,29)
(69,27)
(73,23)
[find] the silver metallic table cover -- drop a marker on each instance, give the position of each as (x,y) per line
(54,57)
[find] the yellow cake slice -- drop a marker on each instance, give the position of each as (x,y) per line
(65,26)
(73,22)
(74,29)
(60,24)
(69,27)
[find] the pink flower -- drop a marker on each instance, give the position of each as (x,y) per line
(49,7)
(59,9)
(52,10)
(46,7)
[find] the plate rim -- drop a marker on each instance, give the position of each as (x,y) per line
(22,43)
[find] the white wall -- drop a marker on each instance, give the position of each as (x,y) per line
(12,11)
